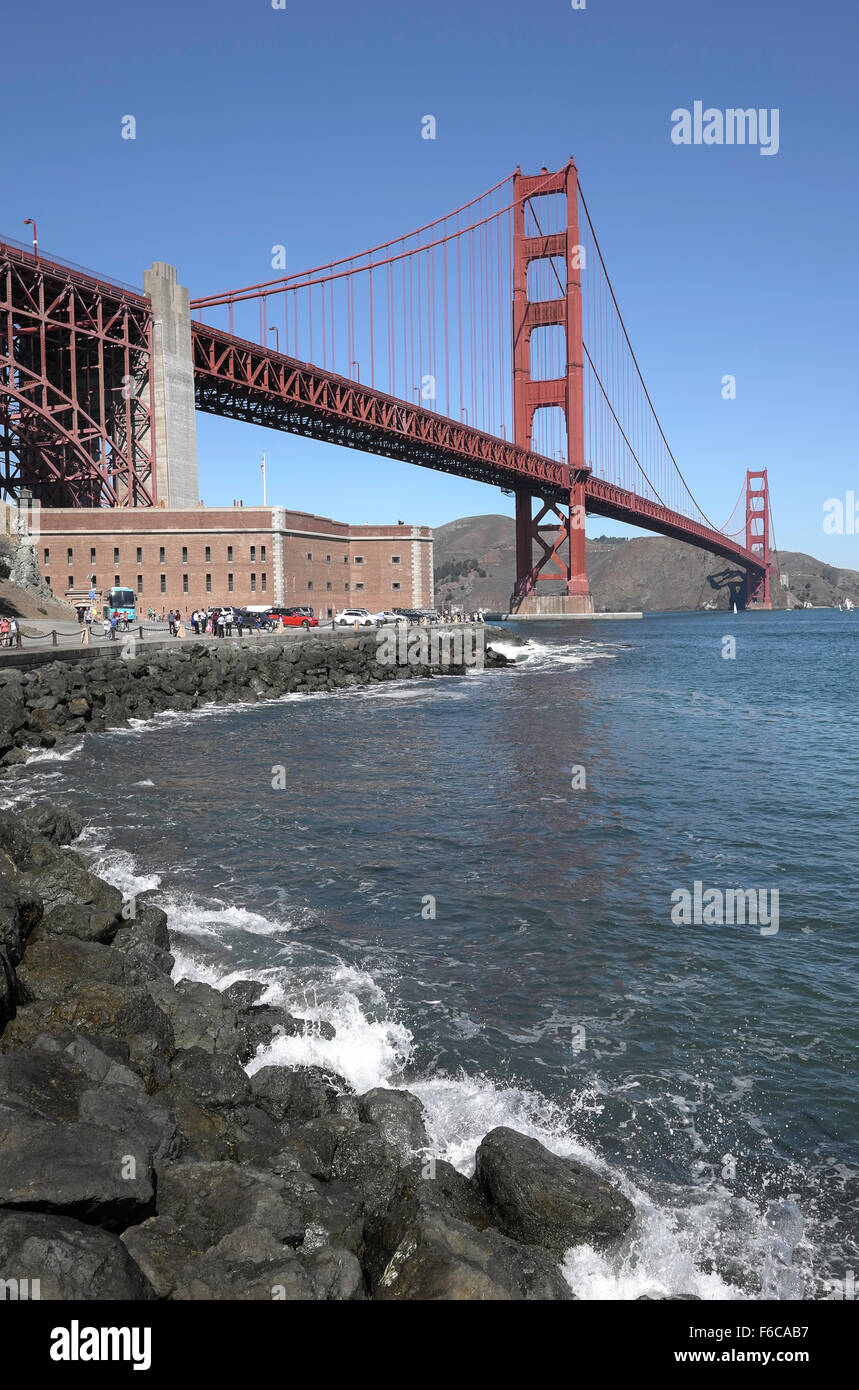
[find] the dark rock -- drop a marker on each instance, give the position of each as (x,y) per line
(540,1199)
(247,1264)
(216,1081)
(314,1144)
(399,1115)
(84,923)
(297,1096)
(144,936)
(250,1264)
(93,1174)
(46,1085)
(129,1110)
(64,880)
(8,990)
(335,1274)
(208,1200)
(200,1015)
(260,1023)
(364,1158)
(94,989)
(70,1260)
(20,913)
(160,1250)
(59,824)
(244,994)
(437,1257)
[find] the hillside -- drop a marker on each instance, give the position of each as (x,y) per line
(23,591)
(475,568)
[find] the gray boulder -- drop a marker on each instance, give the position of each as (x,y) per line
(209,1200)
(200,1015)
(541,1199)
(436,1257)
(93,1174)
(295,1096)
(399,1115)
(70,1260)
(250,1264)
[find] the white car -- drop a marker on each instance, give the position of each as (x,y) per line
(348,617)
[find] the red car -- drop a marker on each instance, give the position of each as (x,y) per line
(293,617)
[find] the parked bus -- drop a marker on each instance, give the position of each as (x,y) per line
(121,601)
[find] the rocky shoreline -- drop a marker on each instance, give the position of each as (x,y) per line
(49,705)
(139,1160)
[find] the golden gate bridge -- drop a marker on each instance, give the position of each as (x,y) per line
(488,343)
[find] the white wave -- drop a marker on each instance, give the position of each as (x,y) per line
(55,755)
(189,917)
(536,654)
(117,866)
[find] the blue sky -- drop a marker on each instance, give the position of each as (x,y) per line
(301,126)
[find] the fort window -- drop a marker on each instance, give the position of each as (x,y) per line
(229,583)
(164,583)
(208,554)
(116,556)
(253,553)
(47,557)
(229,554)
(116,581)
(161,555)
(396,586)
(92,555)
(262,553)
(359,586)
(395,559)
(263,582)
(359,559)
(208,583)
(310,554)
(184,554)
(184,583)
(253,583)
(140,583)
(139,555)
(70,556)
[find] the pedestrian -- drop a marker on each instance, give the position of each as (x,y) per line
(239,623)
(4,631)
(114,624)
(171,623)
(194,622)
(229,622)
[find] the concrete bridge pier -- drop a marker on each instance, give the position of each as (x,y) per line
(174,415)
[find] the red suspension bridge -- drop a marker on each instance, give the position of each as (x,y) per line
(487,344)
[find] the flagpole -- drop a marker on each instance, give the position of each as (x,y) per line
(262,466)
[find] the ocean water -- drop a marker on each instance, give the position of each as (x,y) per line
(493,930)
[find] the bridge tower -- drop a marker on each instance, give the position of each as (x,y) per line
(758,538)
(560,539)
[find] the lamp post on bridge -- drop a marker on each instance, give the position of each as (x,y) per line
(357,366)
(31,222)
(274,330)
